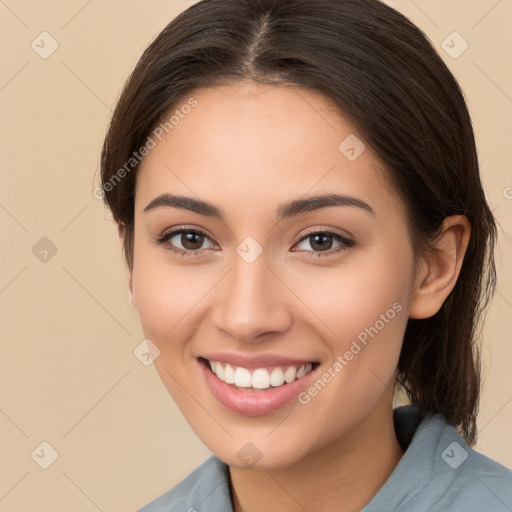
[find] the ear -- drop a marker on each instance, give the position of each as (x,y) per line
(438,275)
(121,231)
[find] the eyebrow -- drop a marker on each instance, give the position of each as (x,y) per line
(287,210)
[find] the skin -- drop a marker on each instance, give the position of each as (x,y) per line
(248,148)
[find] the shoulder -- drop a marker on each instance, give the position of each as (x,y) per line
(470,480)
(440,472)
(477,482)
(205,488)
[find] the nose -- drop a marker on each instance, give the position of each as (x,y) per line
(252,302)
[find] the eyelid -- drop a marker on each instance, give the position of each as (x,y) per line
(187,228)
(329,230)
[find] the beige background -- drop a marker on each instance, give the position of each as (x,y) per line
(68,375)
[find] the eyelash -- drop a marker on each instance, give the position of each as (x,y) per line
(347,243)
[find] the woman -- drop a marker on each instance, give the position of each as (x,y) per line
(297,190)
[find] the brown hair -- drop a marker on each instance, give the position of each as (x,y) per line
(389,81)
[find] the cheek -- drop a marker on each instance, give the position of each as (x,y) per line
(361,311)
(167,297)
(350,298)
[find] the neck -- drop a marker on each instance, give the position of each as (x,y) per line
(349,472)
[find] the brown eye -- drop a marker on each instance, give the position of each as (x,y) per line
(191,241)
(322,242)
(186,242)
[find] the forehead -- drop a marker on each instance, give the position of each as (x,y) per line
(252,143)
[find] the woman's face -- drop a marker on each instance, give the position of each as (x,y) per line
(273,284)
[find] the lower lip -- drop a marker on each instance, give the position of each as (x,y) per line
(254,403)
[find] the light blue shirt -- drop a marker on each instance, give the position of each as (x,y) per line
(438,472)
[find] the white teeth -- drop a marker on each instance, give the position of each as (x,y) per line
(260,377)
(229,374)
(219,371)
(242,378)
(290,374)
(277,377)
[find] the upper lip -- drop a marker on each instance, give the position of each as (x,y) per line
(255,361)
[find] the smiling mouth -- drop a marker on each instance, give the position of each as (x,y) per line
(258,379)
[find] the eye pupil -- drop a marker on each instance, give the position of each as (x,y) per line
(187,238)
(320,246)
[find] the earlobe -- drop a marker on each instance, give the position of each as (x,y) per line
(439,274)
